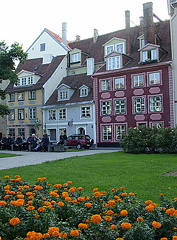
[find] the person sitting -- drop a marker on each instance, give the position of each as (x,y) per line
(18,143)
(45,143)
(34,141)
(9,142)
(4,142)
(27,143)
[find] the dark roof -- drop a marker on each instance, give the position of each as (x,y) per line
(74,82)
(96,50)
(36,66)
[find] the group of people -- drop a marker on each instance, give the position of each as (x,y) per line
(32,143)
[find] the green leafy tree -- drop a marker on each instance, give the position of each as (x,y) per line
(8,58)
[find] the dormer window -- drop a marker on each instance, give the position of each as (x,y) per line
(23,81)
(76,57)
(109,49)
(63,95)
(114,62)
(83,91)
(149,53)
(115,45)
(120,48)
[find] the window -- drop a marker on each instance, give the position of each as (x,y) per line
(76,57)
(30,80)
(106,108)
(11,97)
(138,80)
(120,106)
(113,63)
(21,114)
(12,115)
(105,85)
(150,55)
(85,112)
(107,132)
(52,114)
(83,92)
(31,95)
(120,47)
(25,81)
(139,104)
(21,132)
(62,113)
(154,78)
(32,113)
(155,104)
(42,47)
(21,96)
(12,132)
(109,49)
(119,83)
(63,95)
(157,124)
(120,129)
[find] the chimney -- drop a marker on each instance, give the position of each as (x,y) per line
(127,19)
(64,32)
(127,32)
(78,38)
(149,27)
(141,24)
(95,35)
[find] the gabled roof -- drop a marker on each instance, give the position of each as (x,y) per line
(53,35)
(74,82)
(35,66)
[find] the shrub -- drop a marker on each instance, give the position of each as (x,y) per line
(144,139)
(45,211)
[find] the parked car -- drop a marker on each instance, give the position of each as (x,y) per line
(79,141)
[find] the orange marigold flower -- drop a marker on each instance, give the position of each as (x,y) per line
(61,204)
(68,199)
(65,194)
(124,213)
(14,221)
(131,194)
(88,204)
(80,199)
(70,182)
(53,229)
(119,238)
(150,208)
(19,202)
(109,212)
(95,189)
(126,225)
(170,211)
(97,194)
(156,224)
(20,196)
(108,218)
(55,234)
(164,238)
(148,202)
(3,203)
(174,238)
(6,177)
(139,219)
(6,196)
(17,179)
(122,188)
(124,194)
(96,218)
(74,233)
(41,209)
(111,203)
(58,185)
(79,188)
(83,226)
(114,227)
(46,235)
(29,193)
(30,208)
(7,187)
(73,189)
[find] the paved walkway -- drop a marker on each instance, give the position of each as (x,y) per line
(32,158)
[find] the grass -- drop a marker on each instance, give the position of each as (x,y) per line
(140,173)
(4,155)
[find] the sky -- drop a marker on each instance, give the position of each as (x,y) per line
(22,21)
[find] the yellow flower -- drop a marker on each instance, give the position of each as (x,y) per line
(14,221)
(96,218)
(156,224)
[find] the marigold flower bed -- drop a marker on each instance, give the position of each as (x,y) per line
(60,211)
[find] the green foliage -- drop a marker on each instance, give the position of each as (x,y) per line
(144,139)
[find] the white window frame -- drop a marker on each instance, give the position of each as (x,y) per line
(52,114)
(32,113)
(120,106)
(62,113)
(139,104)
(63,95)
(154,78)
(109,49)
(105,84)
(32,95)
(21,114)
(114,62)
(11,116)
(42,47)
(106,107)
(76,57)
(120,48)
(106,132)
(11,97)
(120,130)
(83,92)
(21,96)
(138,80)
(155,103)
(119,83)
(85,112)
(149,55)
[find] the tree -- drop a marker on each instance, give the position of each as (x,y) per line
(8,58)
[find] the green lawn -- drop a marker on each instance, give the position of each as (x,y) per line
(140,173)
